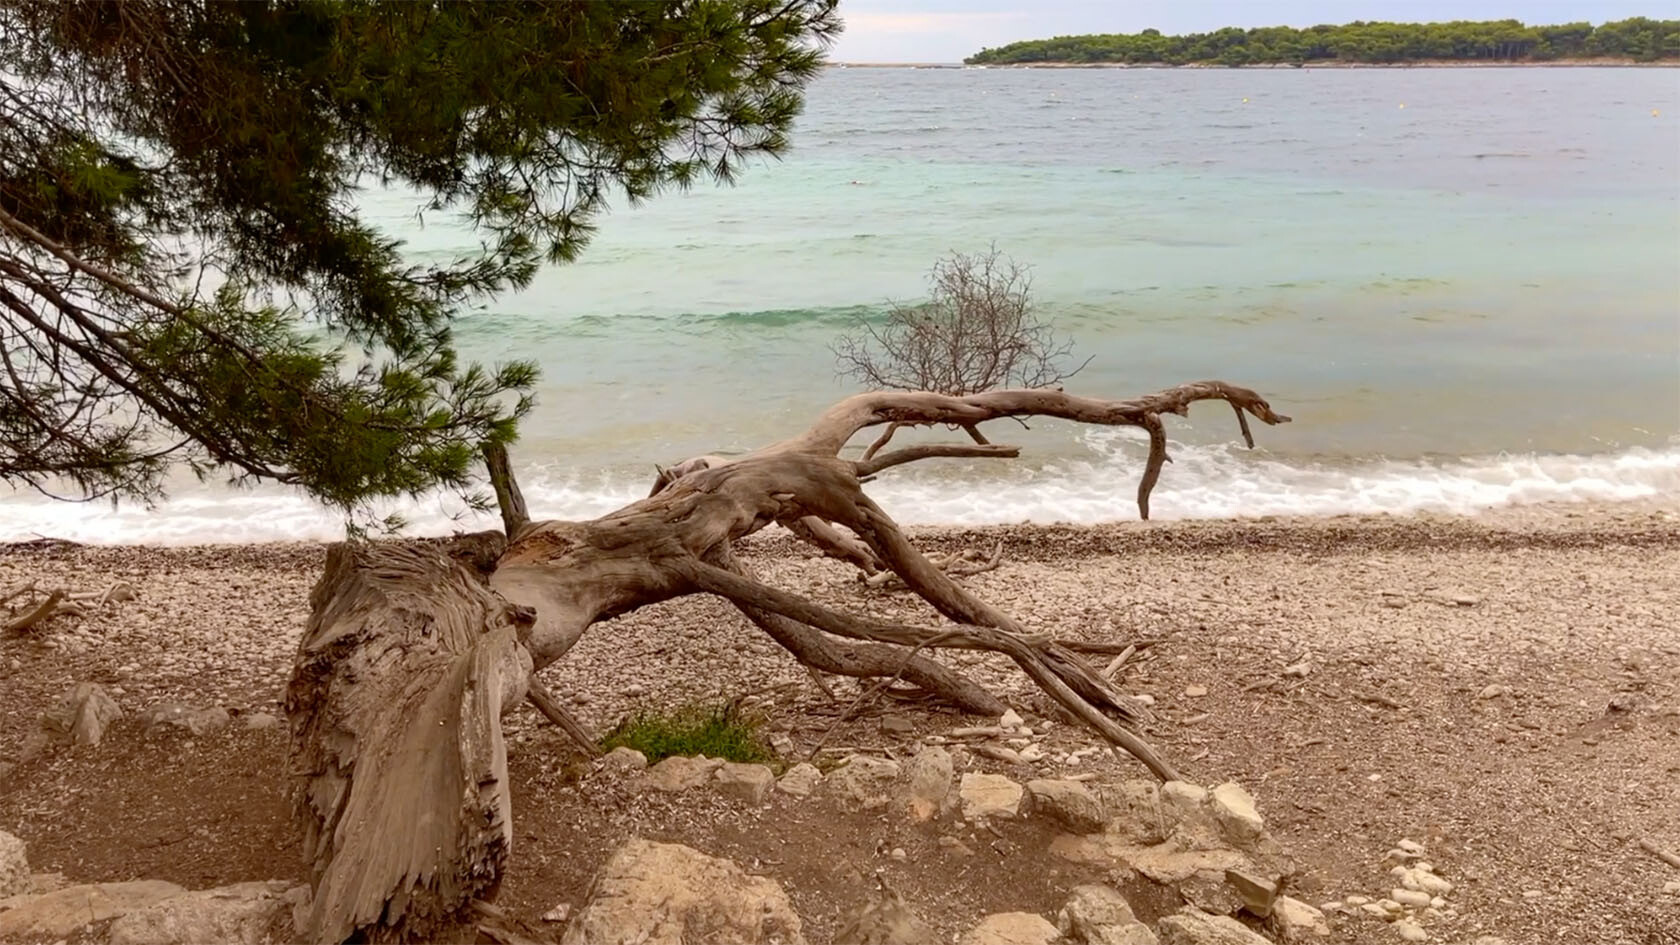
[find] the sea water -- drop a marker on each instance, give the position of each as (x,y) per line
(1463,284)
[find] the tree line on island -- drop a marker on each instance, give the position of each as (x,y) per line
(1639,39)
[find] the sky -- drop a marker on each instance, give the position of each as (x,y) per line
(948,30)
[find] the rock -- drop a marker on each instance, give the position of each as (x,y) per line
(928,792)
(1672,887)
(1134,809)
(679,774)
(1011,720)
(1425,881)
(1489,940)
(623,760)
(1356,900)
(1410,931)
(1168,865)
(897,725)
(1493,691)
(260,721)
(1534,895)
(1183,798)
(1298,920)
(80,716)
(1195,927)
(1410,848)
(668,893)
(176,718)
(886,919)
(47,882)
(800,780)
(1410,898)
(1466,600)
(864,783)
(1032,753)
(1234,809)
(55,915)
(744,782)
(1299,670)
(243,913)
(1390,908)
(1010,928)
(1208,891)
(1195,692)
(1143,698)
(14,867)
(1068,804)
(956,846)
(1623,702)
(1098,915)
(989,795)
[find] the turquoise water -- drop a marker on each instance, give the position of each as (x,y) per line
(1463,284)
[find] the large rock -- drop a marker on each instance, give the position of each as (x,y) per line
(1010,928)
(886,920)
(246,913)
(800,780)
(1134,809)
(1098,915)
(680,774)
(1168,864)
(1234,809)
(928,792)
(55,915)
(749,783)
(14,867)
(863,782)
(1195,927)
(1298,920)
(80,716)
(1068,804)
(989,795)
(178,718)
(668,894)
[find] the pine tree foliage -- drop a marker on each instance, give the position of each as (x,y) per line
(185,277)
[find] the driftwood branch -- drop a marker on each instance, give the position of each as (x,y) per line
(1650,846)
(40,612)
(911,454)
(552,710)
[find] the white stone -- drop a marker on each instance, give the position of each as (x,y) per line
(1493,691)
(1356,900)
(1411,847)
(1410,931)
(666,892)
(1010,928)
(182,719)
(989,795)
(15,879)
(800,780)
(1672,887)
(1011,720)
(1234,809)
(559,913)
(260,721)
(1425,881)
(1195,691)
(1411,898)
(81,715)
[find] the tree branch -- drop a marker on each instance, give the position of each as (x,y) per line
(911,454)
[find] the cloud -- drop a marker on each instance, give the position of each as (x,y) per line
(902,23)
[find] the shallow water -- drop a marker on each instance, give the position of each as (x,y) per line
(1463,284)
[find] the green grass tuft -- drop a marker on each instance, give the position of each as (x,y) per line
(716,732)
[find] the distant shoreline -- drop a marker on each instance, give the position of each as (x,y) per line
(1321,64)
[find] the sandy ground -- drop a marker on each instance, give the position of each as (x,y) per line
(1532,801)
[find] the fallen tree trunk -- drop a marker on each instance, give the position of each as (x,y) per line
(413,651)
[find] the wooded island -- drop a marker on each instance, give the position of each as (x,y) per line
(1638,39)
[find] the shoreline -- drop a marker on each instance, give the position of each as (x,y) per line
(1325,64)
(1657,518)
